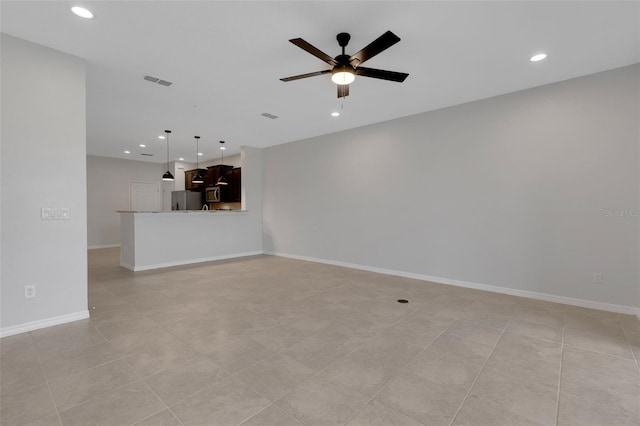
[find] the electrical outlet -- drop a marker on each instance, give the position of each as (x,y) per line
(29,291)
(597,277)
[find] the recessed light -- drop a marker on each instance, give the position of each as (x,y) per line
(161,137)
(127,152)
(223,148)
(538,57)
(82,12)
(200,153)
(335,114)
(142,145)
(181,159)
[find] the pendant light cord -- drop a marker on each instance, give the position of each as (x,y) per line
(197,151)
(167,149)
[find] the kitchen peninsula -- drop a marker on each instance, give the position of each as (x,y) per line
(159,239)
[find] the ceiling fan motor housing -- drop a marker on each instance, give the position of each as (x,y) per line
(343,39)
(343,68)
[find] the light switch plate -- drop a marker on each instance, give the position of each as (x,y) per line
(54,214)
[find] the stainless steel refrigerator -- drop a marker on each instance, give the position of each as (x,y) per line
(186,200)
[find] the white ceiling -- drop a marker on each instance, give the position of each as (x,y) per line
(225,60)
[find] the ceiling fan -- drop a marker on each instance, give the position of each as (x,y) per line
(345,68)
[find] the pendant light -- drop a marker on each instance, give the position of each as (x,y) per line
(198,177)
(167,176)
(222,180)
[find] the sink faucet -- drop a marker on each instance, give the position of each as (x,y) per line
(205,207)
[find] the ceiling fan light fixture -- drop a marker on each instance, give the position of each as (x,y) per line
(344,67)
(343,74)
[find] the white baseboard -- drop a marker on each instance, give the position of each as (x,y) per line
(127,266)
(47,322)
(103,246)
(603,306)
(189,261)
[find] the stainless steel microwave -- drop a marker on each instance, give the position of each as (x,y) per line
(212,194)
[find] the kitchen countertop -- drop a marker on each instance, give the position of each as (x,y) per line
(184,211)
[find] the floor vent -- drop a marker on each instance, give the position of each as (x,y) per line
(157,80)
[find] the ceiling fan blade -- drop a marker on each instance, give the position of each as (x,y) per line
(380,44)
(343,90)
(311,74)
(382,74)
(314,51)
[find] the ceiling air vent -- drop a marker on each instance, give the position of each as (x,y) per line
(147,155)
(271,116)
(157,80)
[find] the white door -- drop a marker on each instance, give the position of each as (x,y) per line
(143,196)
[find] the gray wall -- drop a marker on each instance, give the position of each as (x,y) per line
(108,181)
(509,191)
(43,165)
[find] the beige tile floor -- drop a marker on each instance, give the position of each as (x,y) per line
(271,341)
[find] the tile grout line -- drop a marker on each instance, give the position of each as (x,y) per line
(40,364)
(479,374)
(317,374)
(633,354)
(598,352)
(46,380)
(198,391)
(154,394)
(330,365)
(306,337)
(163,403)
(84,401)
(241,335)
(399,372)
(455,320)
(92,368)
(282,352)
(262,409)
(560,372)
(323,369)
